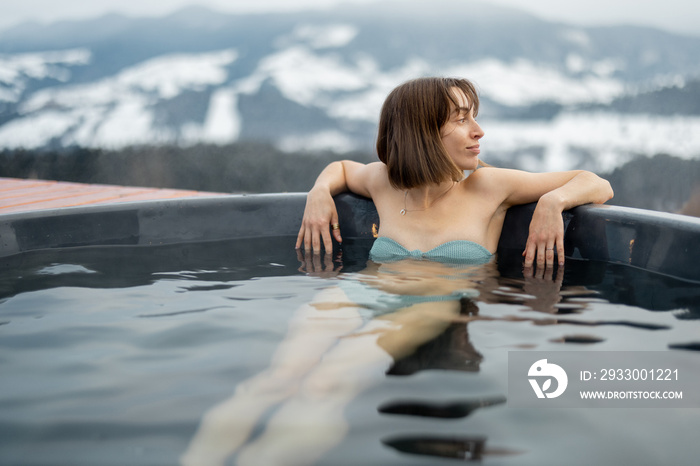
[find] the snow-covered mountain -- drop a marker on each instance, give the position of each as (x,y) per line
(554,95)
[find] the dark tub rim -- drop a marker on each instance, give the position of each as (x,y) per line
(655,241)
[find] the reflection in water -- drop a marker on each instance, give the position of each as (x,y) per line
(585,339)
(206,316)
(396,318)
(448,410)
(450,350)
(390,319)
(692,346)
(467,448)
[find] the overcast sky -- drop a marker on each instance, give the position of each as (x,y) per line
(674,15)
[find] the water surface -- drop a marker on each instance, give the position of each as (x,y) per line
(125,355)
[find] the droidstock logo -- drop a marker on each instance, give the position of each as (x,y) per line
(546,371)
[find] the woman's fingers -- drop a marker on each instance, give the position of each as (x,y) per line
(560,251)
(529,253)
(300,238)
(327,241)
(335,227)
(545,238)
(315,240)
(319,224)
(549,254)
(543,253)
(314,235)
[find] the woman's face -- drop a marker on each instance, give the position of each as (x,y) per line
(461,134)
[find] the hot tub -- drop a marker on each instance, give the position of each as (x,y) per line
(152,333)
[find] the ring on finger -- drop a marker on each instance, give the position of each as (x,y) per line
(335,226)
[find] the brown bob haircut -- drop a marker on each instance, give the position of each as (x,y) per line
(409,141)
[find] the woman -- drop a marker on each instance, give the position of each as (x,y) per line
(351,333)
(428,137)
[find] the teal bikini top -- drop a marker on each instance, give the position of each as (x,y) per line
(387,250)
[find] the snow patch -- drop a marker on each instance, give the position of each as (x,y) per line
(610,139)
(223,123)
(170,75)
(164,77)
(326,36)
(89,120)
(36,130)
(303,76)
(128,123)
(353,91)
(525,83)
(366,104)
(17,69)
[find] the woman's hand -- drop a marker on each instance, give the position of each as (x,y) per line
(320,215)
(546,233)
(554,192)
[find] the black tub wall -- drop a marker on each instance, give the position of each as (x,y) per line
(654,241)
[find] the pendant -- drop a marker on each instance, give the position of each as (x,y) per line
(403,212)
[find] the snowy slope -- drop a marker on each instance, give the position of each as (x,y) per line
(121,110)
(311,82)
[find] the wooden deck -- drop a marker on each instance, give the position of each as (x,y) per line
(19,195)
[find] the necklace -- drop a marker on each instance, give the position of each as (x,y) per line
(405,196)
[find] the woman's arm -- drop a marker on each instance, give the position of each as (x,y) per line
(320,211)
(566,189)
(547,226)
(554,192)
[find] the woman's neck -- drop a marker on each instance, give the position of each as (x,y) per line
(424,197)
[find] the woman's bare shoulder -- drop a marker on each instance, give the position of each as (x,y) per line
(486,177)
(365,169)
(494,183)
(366,179)
(496,176)
(376,174)
(377,167)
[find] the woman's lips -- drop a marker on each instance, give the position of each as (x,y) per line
(476,149)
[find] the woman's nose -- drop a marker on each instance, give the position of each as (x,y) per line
(477,132)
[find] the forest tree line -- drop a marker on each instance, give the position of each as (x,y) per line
(662,182)
(235,168)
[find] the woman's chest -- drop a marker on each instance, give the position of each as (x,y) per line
(426,229)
